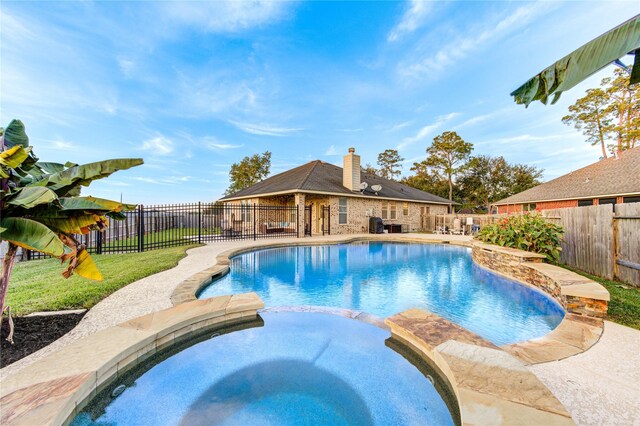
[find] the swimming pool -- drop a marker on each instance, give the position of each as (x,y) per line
(294,368)
(384,278)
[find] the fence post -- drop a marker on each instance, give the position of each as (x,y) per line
(140,228)
(254,223)
(98,242)
(616,245)
(199,223)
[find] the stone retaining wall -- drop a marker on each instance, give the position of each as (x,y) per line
(577,294)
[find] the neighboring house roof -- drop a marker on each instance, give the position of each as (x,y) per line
(613,176)
(320,177)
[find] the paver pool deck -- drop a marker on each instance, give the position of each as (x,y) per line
(599,386)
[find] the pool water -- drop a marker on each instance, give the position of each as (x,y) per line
(296,369)
(384,278)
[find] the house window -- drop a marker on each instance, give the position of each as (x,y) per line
(529,207)
(245,211)
(631,199)
(583,203)
(392,210)
(342,211)
(602,201)
(385,210)
(405,209)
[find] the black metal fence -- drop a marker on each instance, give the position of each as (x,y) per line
(159,226)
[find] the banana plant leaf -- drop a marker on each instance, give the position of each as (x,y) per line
(29,234)
(30,197)
(582,63)
(13,156)
(86,267)
(15,134)
(67,180)
(78,223)
(50,167)
(92,203)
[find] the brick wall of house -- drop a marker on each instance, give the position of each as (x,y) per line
(542,205)
(546,205)
(360,210)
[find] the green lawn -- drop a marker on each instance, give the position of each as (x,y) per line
(176,234)
(37,285)
(624,306)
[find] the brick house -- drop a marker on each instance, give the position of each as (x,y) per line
(615,180)
(339,200)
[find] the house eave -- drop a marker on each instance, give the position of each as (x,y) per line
(336,194)
(566,199)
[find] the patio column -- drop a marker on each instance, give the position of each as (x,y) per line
(299,201)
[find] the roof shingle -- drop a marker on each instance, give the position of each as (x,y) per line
(318,176)
(613,176)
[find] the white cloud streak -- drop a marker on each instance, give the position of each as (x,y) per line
(427,130)
(475,39)
(412,18)
(264,129)
(224,16)
(159,145)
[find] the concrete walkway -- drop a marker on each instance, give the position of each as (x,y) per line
(600,386)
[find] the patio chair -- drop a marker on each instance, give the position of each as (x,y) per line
(457,228)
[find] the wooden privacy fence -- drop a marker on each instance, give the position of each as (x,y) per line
(601,240)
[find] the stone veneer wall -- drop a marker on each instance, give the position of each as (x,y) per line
(522,266)
(514,266)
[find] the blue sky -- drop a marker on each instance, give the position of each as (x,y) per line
(193,87)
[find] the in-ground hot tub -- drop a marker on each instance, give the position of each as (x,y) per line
(293,368)
(384,278)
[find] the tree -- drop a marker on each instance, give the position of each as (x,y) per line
(369,169)
(249,171)
(489,179)
(42,210)
(624,109)
(591,115)
(486,180)
(390,164)
(448,156)
(427,180)
(522,178)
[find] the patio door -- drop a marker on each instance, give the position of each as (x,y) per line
(318,218)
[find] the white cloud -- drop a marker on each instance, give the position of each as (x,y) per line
(399,126)
(159,145)
(459,48)
(331,150)
(264,129)
(222,146)
(127,66)
(63,145)
(224,16)
(412,18)
(427,130)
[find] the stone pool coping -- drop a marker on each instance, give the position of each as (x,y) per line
(492,387)
(53,389)
(579,330)
(584,301)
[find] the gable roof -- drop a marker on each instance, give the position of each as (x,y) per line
(320,177)
(613,176)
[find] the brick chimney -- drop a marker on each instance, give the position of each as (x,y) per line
(351,171)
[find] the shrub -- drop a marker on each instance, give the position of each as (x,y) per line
(529,232)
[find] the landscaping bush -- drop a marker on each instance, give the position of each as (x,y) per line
(529,232)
